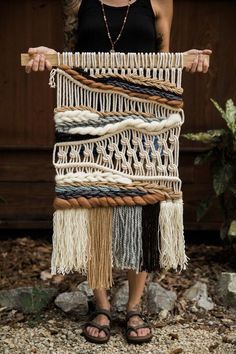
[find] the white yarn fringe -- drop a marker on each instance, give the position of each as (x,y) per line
(70,241)
(171,235)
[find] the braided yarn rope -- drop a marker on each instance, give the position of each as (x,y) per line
(116,161)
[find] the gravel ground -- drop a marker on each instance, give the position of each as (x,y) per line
(187,329)
(62,336)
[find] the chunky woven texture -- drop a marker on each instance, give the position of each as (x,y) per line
(116,156)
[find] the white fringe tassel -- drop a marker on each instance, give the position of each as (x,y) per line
(70,241)
(171,235)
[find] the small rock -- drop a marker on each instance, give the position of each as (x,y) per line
(226,320)
(206,303)
(198,293)
(227,288)
(74,302)
(45,275)
(85,289)
(27,299)
(174,336)
(193,309)
(213,347)
(53,331)
(120,298)
(163,314)
(57,279)
(159,298)
(177,351)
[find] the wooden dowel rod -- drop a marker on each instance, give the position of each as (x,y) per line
(187,59)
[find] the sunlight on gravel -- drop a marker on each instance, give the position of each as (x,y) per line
(172,339)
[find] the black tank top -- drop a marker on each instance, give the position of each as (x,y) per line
(139,34)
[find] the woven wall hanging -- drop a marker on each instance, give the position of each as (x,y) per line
(118,193)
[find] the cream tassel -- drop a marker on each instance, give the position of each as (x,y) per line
(70,241)
(171,234)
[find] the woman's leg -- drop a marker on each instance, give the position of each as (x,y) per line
(101,302)
(136,287)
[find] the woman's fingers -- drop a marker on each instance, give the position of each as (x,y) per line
(194,66)
(207,51)
(48,64)
(28,66)
(32,51)
(35,66)
(41,62)
(205,66)
(200,63)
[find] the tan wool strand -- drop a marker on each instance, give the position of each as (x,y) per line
(100,248)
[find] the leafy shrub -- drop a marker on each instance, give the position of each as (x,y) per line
(221,156)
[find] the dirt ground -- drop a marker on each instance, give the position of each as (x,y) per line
(23,259)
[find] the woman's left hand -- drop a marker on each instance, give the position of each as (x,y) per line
(200,64)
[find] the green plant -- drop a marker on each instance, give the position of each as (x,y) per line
(221,156)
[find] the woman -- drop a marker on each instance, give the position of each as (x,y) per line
(125,26)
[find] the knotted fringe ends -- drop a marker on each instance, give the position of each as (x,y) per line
(92,241)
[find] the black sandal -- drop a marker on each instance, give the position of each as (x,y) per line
(105,328)
(137,339)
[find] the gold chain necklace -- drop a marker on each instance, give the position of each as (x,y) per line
(113,43)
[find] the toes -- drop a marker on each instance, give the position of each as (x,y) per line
(88,330)
(101,334)
(96,332)
(133,334)
(143,332)
(93,331)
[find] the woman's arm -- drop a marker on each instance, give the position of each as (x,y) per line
(70,12)
(163,10)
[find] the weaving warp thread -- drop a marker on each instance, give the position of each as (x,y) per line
(118,193)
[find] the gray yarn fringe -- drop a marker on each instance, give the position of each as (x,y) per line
(127,237)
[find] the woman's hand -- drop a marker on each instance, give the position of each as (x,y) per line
(39,62)
(199,64)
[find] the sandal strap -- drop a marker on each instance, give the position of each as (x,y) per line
(135,328)
(136,313)
(103,328)
(105,312)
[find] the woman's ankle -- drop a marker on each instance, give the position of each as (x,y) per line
(133,306)
(103,306)
(101,298)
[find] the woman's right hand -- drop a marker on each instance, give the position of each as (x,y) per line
(39,62)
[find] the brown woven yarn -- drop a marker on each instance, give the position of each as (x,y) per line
(83,202)
(100,248)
